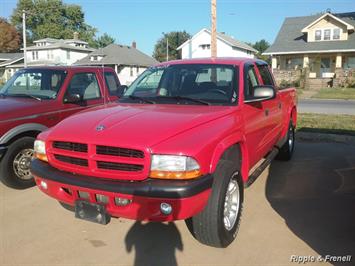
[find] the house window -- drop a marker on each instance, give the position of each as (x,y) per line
(205,46)
(326,35)
(94,58)
(350,62)
(336,34)
(137,70)
(34,55)
(50,54)
(318,35)
(68,55)
(131,71)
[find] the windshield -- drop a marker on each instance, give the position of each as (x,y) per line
(34,83)
(186,83)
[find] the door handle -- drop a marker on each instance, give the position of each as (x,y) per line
(280,105)
(266,112)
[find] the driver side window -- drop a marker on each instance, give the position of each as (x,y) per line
(86,85)
(251,82)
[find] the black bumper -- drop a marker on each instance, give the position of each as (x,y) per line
(2,151)
(148,188)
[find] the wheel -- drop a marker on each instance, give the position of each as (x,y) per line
(67,206)
(287,149)
(15,165)
(217,225)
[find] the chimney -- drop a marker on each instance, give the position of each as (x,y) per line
(134,44)
(76,35)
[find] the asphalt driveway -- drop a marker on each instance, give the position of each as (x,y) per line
(326,106)
(304,208)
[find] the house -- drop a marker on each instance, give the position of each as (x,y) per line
(8,59)
(199,46)
(49,51)
(127,61)
(321,47)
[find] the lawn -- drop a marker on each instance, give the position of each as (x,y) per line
(336,93)
(322,123)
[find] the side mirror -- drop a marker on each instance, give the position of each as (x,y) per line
(72,98)
(262,93)
(121,90)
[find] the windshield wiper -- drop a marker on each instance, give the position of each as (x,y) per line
(25,95)
(133,97)
(185,98)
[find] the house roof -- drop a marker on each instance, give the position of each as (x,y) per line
(114,54)
(224,38)
(290,38)
(9,56)
(59,44)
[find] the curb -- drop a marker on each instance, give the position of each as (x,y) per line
(322,137)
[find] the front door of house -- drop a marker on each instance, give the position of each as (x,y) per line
(325,66)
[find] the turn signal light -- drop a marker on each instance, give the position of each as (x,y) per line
(41,157)
(179,175)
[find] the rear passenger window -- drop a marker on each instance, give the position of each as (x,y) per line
(265,75)
(86,85)
(112,82)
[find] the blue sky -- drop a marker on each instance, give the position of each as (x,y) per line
(145,20)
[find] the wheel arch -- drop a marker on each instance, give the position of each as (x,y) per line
(231,149)
(30,129)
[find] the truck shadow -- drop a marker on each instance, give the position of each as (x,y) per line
(154,243)
(315,194)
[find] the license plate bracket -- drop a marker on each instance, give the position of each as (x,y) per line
(92,212)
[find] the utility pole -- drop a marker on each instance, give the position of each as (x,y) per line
(213,28)
(24,38)
(167,48)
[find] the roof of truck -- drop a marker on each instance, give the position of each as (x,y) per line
(218,60)
(71,68)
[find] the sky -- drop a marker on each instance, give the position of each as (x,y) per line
(144,21)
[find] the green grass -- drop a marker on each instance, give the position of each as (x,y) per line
(336,93)
(323,123)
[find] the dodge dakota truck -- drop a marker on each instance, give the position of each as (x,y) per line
(35,99)
(183,142)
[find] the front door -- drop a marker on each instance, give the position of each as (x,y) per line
(325,67)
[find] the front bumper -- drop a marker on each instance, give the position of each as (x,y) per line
(187,198)
(3,150)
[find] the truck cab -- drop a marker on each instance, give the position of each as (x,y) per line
(37,98)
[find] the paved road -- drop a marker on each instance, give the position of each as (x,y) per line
(303,207)
(326,106)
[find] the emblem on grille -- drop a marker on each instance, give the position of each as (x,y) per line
(100,127)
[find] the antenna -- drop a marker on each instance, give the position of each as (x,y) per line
(104,82)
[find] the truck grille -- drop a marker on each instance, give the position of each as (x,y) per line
(99,160)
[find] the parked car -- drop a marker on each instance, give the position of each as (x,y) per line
(182,143)
(35,99)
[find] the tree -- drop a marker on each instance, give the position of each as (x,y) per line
(103,41)
(175,38)
(10,38)
(261,46)
(52,19)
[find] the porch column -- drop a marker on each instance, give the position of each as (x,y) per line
(338,61)
(305,61)
(273,62)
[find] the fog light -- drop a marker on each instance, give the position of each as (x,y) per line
(165,208)
(101,198)
(84,195)
(122,201)
(44,185)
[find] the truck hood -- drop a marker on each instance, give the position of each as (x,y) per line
(134,125)
(11,107)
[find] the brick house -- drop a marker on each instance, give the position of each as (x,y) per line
(319,48)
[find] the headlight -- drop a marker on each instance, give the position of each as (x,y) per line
(174,167)
(40,150)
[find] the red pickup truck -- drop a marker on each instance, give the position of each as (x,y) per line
(35,99)
(183,142)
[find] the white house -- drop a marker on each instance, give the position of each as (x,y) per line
(50,51)
(127,61)
(199,46)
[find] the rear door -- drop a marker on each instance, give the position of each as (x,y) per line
(86,84)
(272,108)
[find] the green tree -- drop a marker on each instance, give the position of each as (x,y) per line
(53,19)
(103,41)
(261,45)
(175,38)
(10,39)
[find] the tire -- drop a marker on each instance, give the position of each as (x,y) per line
(67,206)
(208,227)
(286,151)
(14,166)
